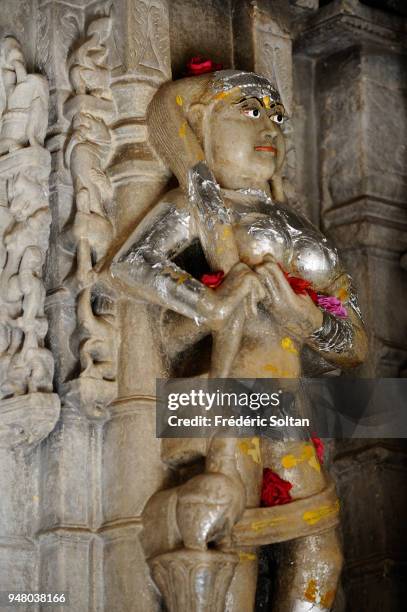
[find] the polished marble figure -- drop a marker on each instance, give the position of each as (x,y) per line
(221,135)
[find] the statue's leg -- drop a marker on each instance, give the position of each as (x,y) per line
(310,567)
(308,573)
(242,590)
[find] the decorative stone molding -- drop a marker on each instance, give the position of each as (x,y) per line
(26,366)
(339,25)
(193,580)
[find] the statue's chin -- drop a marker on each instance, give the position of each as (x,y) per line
(242,182)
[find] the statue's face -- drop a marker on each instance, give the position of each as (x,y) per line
(245,145)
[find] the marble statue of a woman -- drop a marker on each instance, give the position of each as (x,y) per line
(220,135)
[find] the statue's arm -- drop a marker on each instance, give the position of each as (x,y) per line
(145,262)
(341,341)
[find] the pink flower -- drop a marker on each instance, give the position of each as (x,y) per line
(333,305)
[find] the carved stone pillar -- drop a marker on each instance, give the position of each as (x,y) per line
(104,63)
(138,178)
(29,408)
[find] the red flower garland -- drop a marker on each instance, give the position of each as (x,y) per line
(298,285)
(301,286)
(198,65)
(274,491)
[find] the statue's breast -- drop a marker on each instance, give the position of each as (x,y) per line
(294,242)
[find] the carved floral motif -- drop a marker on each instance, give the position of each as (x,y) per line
(149,51)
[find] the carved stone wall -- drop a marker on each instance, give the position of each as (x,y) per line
(350,69)
(29,408)
(77,173)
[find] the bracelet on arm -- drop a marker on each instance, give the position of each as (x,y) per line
(334,336)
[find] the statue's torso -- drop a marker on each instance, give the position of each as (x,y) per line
(262,227)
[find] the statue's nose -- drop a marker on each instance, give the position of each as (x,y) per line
(269,135)
(269,131)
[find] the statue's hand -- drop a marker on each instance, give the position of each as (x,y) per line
(241,286)
(295,313)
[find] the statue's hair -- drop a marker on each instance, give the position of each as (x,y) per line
(170,132)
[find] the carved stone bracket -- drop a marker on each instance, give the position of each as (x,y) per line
(339,25)
(89,398)
(28,419)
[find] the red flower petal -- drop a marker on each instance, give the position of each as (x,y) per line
(298,285)
(213,280)
(198,65)
(275,491)
(313,295)
(319,448)
(301,286)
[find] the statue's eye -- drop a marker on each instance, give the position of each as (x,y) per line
(277,118)
(254,113)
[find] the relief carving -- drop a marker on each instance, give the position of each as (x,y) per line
(274,60)
(26,366)
(149,49)
(23,101)
(90,146)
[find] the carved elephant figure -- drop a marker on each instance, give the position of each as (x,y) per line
(208,507)
(201,512)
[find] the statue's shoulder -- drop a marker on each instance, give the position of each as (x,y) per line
(297,220)
(166,221)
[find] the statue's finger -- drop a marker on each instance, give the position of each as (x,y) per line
(280,280)
(273,289)
(253,305)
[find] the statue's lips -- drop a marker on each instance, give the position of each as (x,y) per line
(267,149)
